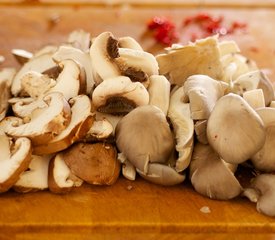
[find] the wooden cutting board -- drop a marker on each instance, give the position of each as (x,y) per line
(128,210)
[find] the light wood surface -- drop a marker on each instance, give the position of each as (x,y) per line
(144,210)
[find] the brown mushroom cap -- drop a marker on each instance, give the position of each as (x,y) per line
(144,136)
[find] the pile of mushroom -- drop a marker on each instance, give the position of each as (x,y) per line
(88,109)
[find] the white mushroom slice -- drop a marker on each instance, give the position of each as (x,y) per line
(38,64)
(159,92)
(137,65)
(255,98)
(203,93)
(66,52)
(35,178)
(262,192)
(202,57)
(101,129)
(113,119)
(48,49)
(210,176)
(264,159)
(272,104)
(200,130)
(183,125)
(36,84)
(69,80)
(228,47)
(266,85)
(233,124)
(44,123)
(14,159)
(144,136)
(103,50)
(119,95)
(60,178)
(22,56)
(6,76)
(80,39)
(128,169)
(129,42)
(162,174)
(81,122)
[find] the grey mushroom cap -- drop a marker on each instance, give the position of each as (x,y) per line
(210,176)
(144,137)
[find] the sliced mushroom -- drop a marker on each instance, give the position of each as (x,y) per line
(144,137)
(80,39)
(264,159)
(35,178)
(180,117)
(233,112)
(267,87)
(255,98)
(262,192)
(80,123)
(203,93)
(113,119)
(159,92)
(203,57)
(129,42)
(60,178)
(44,124)
(210,176)
(119,95)
(100,130)
(22,56)
(15,157)
(94,163)
(228,47)
(128,169)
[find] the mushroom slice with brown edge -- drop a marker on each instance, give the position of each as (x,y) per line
(35,178)
(99,131)
(201,57)
(44,124)
(159,92)
(203,93)
(180,117)
(81,122)
(38,64)
(144,137)
(262,191)
(15,157)
(129,42)
(60,178)
(22,56)
(233,124)
(6,76)
(264,159)
(210,176)
(162,174)
(119,95)
(67,52)
(94,163)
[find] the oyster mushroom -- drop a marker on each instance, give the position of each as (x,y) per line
(144,137)
(264,159)
(233,124)
(210,175)
(35,178)
(200,131)
(228,47)
(119,95)
(262,191)
(255,98)
(203,93)
(43,124)
(60,178)
(15,157)
(80,123)
(94,163)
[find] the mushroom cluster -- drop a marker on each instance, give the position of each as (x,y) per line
(89,109)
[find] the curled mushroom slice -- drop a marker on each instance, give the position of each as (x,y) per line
(180,117)
(80,123)
(210,176)
(35,178)
(15,157)
(159,92)
(233,112)
(94,163)
(44,124)
(6,76)
(262,191)
(203,93)
(60,178)
(144,137)
(119,95)
(162,174)
(129,42)
(255,98)
(264,159)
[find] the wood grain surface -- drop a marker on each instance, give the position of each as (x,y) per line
(128,210)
